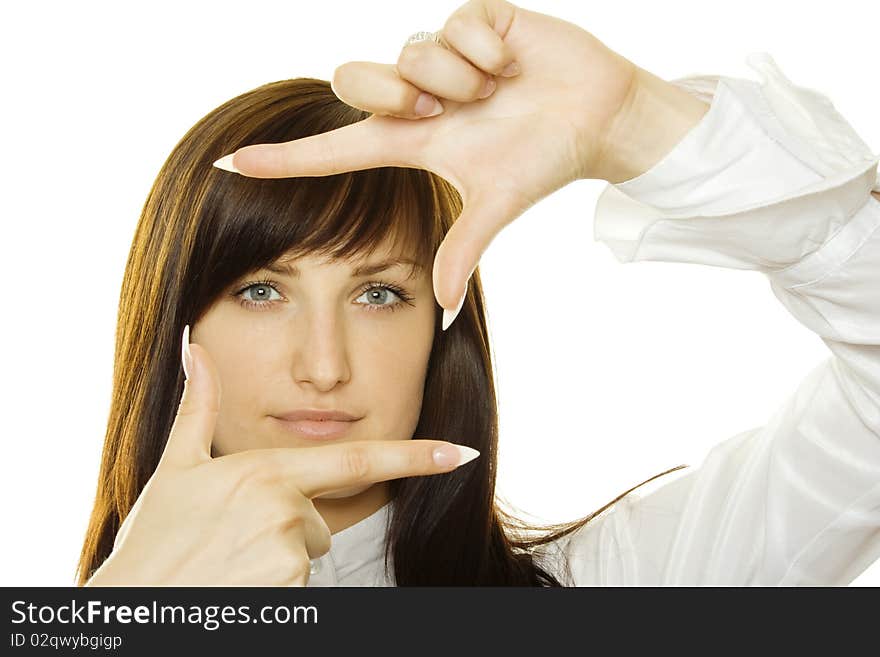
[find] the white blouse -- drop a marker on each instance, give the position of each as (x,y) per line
(771,179)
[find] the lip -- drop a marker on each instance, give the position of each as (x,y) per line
(317,425)
(317,415)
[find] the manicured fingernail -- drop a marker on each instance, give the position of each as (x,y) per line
(450,315)
(488,88)
(186,354)
(225,163)
(427,105)
(453,455)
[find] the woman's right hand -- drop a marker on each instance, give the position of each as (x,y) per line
(245,518)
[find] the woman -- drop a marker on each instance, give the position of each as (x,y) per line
(201,256)
(243,507)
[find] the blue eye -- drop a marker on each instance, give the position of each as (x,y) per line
(381,292)
(259,294)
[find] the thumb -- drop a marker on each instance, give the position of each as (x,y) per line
(193,430)
(464,244)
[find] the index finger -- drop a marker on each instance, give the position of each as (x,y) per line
(369,144)
(329,468)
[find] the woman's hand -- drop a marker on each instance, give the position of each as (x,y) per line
(244,518)
(556,121)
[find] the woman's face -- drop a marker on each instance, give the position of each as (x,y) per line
(321,336)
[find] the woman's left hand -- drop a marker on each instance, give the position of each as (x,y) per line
(552,123)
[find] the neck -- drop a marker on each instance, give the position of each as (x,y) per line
(343,512)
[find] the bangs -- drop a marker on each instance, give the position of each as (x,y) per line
(220,225)
(251,223)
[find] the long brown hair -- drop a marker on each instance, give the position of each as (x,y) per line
(202,228)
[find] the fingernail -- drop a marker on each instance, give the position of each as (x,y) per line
(453,455)
(511,69)
(225,163)
(450,315)
(427,105)
(186,354)
(488,88)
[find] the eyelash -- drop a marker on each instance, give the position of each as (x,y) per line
(400,292)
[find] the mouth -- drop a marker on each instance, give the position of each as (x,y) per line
(316,429)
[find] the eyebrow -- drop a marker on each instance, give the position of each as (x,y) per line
(363,270)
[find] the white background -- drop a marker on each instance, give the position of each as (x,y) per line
(607,373)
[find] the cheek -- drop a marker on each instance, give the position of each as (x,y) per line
(243,371)
(396,375)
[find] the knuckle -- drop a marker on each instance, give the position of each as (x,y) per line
(455,27)
(452,28)
(239,491)
(411,59)
(456,31)
(246,479)
(496,62)
(356,463)
(247,472)
(293,520)
(274,515)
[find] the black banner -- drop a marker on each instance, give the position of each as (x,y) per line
(123,620)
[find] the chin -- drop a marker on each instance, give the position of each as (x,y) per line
(347,492)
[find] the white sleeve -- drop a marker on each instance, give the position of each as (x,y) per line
(771,179)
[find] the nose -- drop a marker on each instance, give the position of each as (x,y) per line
(320,355)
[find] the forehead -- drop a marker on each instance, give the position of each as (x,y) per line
(384,251)
(374,262)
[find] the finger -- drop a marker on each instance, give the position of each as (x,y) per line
(464,244)
(305,525)
(378,88)
(441,72)
(316,534)
(472,32)
(329,468)
(367,144)
(193,429)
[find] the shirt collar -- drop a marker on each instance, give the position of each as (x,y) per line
(357,553)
